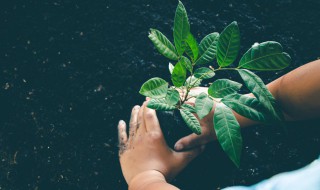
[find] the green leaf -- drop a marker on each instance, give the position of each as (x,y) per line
(189,107)
(179,74)
(186,62)
(192,49)
(266,56)
(191,121)
(171,67)
(203,105)
(204,73)
(193,81)
(223,87)
(160,104)
(154,88)
(208,49)
(163,45)
(181,28)
(172,97)
(246,106)
(260,91)
(228,45)
(228,132)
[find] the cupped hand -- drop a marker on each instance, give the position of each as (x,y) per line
(208,134)
(145,148)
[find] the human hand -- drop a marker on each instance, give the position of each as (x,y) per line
(145,150)
(208,134)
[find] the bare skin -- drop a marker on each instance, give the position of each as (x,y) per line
(148,163)
(146,160)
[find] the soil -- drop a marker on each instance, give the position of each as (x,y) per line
(70,70)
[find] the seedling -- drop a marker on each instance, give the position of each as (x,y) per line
(197,62)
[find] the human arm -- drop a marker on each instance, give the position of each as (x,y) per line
(146,160)
(297,93)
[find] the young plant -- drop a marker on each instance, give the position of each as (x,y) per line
(189,71)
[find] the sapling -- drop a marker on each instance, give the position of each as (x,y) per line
(197,62)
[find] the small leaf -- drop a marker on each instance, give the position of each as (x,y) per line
(154,88)
(187,64)
(160,104)
(189,107)
(260,91)
(179,74)
(193,81)
(228,132)
(171,67)
(191,121)
(208,49)
(266,56)
(192,49)
(204,73)
(163,45)
(246,106)
(203,105)
(172,97)
(228,45)
(181,28)
(223,87)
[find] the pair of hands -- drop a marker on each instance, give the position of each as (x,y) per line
(145,153)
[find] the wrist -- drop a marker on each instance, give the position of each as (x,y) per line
(144,179)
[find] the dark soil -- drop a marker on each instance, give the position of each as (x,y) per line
(70,70)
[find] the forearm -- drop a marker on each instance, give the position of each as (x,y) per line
(150,180)
(297,93)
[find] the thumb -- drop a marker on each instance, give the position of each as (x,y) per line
(188,142)
(187,156)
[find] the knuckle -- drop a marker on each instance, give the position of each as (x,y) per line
(149,115)
(155,135)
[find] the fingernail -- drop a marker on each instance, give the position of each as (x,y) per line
(178,147)
(136,107)
(121,122)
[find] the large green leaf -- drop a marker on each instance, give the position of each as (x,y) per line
(189,107)
(179,74)
(192,49)
(208,49)
(193,81)
(246,106)
(172,97)
(181,28)
(191,121)
(204,73)
(260,91)
(203,105)
(265,56)
(163,45)
(187,63)
(154,88)
(228,132)
(223,87)
(160,104)
(228,45)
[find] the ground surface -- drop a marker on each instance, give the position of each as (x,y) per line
(71,69)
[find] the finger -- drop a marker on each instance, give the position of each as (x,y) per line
(134,120)
(122,136)
(190,141)
(141,128)
(185,157)
(151,120)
